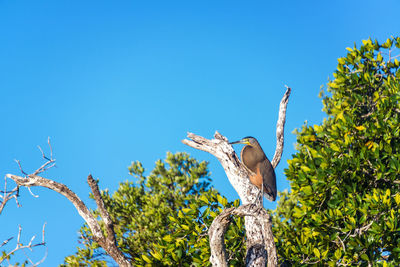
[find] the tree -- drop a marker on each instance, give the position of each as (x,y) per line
(343,208)
(163,219)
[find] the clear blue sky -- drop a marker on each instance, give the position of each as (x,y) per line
(112,82)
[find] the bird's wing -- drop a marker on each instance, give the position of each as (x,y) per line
(269,178)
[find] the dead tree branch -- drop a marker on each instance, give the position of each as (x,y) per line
(21,247)
(220,225)
(108,242)
(258,236)
(238,176)
(8,195)
(280,125)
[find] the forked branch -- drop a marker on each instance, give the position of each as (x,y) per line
(21,247)
(8,195)
(220,224)
(108,242)
(260,239)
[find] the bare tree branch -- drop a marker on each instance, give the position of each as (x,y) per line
(8,195)
(257,234)
(6,241)
(20,167)
(20,246)
(237,173)
(280,125)
(220,225)
(34,180)
(108,243)
(100,204)
(50,162)
(238,176)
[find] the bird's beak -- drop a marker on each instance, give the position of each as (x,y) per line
(237,142)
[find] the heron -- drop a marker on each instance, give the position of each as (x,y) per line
(254,158)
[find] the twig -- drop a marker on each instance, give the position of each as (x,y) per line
(44,226)
(6,241)
(36,196)
(50,162)
(8,195)
(21,246)
(20,167)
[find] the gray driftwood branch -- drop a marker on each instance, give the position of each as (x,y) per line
(260,241)
(107,242)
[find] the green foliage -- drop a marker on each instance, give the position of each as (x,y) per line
(163,218)
(345,199)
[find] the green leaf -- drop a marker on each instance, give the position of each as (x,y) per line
(334,147)
(204,199)
(167,238)
(186,210)
(338,254)
(316,252)
(365,257)
(146,259)
(307,190)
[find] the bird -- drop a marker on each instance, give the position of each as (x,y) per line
(254,158)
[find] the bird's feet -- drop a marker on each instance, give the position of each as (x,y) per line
(256,200)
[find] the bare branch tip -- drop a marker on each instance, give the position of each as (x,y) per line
(288,89)
(44,226)
(191,136)
(219,136)
(35,196)
(41,151)
(90,179)
(186,141)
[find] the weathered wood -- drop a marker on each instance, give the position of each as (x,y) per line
(260,241)
(107,243)
(220,225)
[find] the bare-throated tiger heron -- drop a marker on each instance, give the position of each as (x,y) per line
(253,157)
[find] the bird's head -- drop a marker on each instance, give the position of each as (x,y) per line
(248,140)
